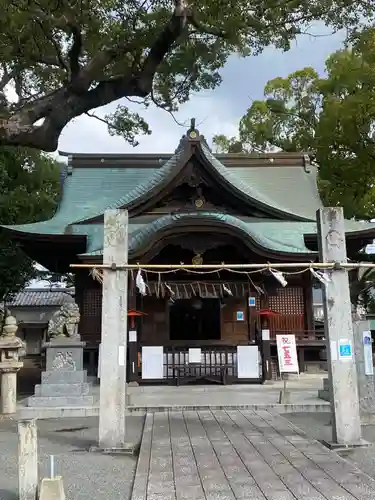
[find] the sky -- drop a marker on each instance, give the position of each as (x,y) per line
(217,111)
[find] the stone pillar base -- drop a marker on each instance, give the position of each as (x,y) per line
(325,393)
(64,383)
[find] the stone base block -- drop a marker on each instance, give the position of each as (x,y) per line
(64,377)
(52,489)
(125,449)
(48,390)
(60,401)
(323,394)
(347,447)
(285,397)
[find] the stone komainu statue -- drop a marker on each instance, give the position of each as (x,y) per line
(64,322)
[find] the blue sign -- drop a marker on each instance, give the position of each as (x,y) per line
(252,301)
(240,316)
(345,351)
(367,340)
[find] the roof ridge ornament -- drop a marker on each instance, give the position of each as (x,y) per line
(193,132)
(192,135)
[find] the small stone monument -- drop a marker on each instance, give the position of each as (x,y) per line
(64,383)
(365,370)
(11,349)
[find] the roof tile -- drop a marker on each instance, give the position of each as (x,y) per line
(40,298)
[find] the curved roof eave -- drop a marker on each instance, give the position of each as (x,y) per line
(23,234)
(158,229)
(243,190)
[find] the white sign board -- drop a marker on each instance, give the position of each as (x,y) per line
(132,336)
(367,351)
(152,362)
(287,353)
(121,355)
(247,361)
(195,355)
(334,350)
(265,334)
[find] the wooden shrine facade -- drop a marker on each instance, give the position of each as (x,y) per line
(216,312)
(189,206)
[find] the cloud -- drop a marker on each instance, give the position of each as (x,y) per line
(216,111)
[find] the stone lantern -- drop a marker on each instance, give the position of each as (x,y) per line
(11,348)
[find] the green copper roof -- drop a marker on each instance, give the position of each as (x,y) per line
(263,185)
(289,190)
(274,235)
(88,192)
(285,237)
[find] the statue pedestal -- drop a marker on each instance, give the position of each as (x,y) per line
(64,383)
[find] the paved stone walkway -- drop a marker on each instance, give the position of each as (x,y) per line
(228,455)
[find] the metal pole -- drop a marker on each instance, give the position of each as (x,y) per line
(52,466)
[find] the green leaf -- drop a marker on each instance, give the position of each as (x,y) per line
(29,189)
(332,117)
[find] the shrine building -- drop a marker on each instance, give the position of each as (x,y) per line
(194,206)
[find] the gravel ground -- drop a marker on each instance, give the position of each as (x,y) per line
(317,425)
(86,475)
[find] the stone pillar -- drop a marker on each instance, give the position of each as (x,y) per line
(10,349)
(114,332)
(9,391)
(27,460)
(346,424)
(366,382)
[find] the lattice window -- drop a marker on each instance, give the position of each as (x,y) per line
(288,301)
(92,302)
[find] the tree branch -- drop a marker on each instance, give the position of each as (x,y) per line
(163,44)
(50,61)
(75,99)
(76,48)
(7,77)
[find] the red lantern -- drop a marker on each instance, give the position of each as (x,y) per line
(132,313)
(264,315)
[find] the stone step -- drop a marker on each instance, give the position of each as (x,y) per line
(59,401)
(323,394)
(64,377)
(48,390)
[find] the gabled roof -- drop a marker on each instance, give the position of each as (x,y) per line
(255,189)
(281,185)
(284,184)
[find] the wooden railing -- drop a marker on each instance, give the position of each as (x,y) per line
(213,357)
(301,335)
